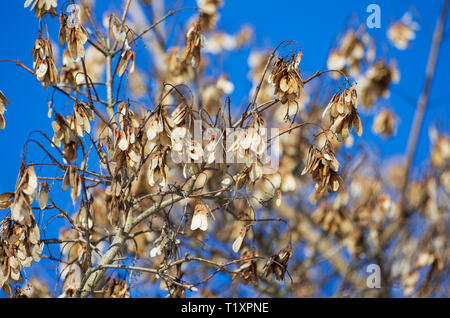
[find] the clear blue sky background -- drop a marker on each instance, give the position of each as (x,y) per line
(314,24)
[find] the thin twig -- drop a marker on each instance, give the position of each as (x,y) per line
(423,101)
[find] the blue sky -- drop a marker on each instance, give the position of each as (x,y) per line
(314,24)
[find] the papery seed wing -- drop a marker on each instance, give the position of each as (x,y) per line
(204,222)
(156,251)
(356,125)
(123,142)
(41,70)
(345,128)
(43,195)
(122,66)
(34,235)
(309,160)
(284,85)
(237,243)
(196,221)
(27,3)
(5,200)
(66,181)
(132,66)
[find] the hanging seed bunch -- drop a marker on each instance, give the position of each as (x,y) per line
(191,54)
(82,114)
(332,220)
(250,148)
(159,129)
(210,14)
(286,79)
(323,166)
(277,264)
(42,7)
(184,148)
(248,269)
(440,152)
(122,34)
(63,133)
(126,146)
(71,73)
(72,32)
(401,32)
(341,114)
(44,64)
(165,244)
(376,81)
(158,170)
(177,72)
(354,48)
(72,179)
(117,289)
(3,102)
(384,123)
(19,235)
